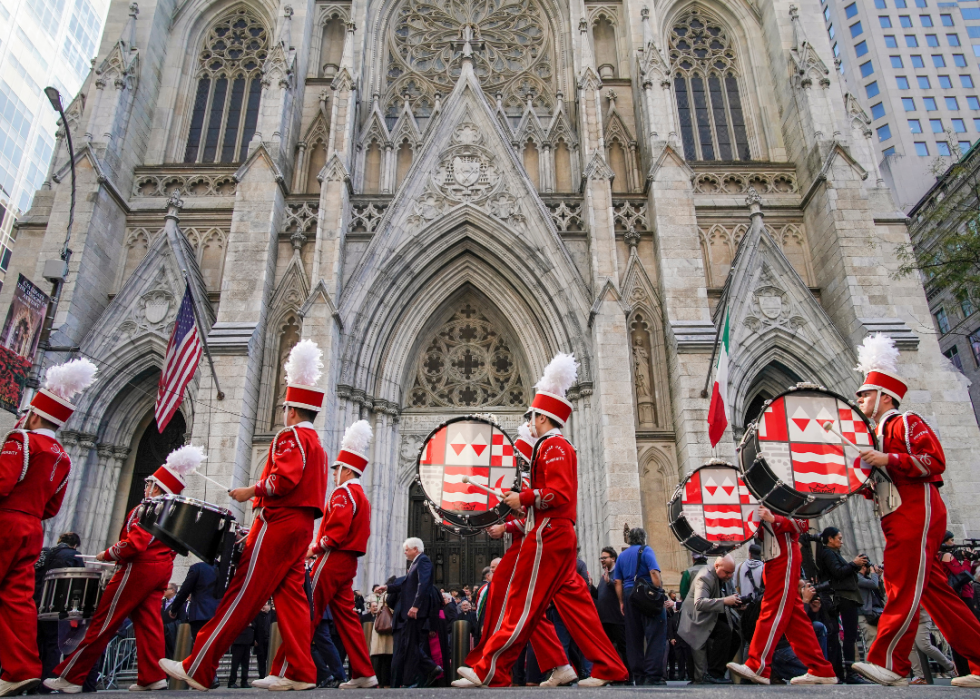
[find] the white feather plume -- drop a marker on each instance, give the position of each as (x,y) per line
(65,380)
(877,353)
(304,364)
(185,459)
(524,432)
(559,375)
(357,438)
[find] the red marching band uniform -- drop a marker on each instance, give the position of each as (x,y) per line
(341,539)
(548,650)
(545,568)
(782,609)
(288,499)
(143,569)
(34,470)
(913,517)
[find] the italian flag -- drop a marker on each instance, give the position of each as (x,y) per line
(718,410)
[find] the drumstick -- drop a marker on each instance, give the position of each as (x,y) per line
(485,489)
(829,427)
(220,485)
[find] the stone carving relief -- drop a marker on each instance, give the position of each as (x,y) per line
(724,183)
(630,215)
(300,217)
(366,216)
(187,184)
(719,242)
(567,216)
(467,364)
(772,307)
(467,173)
(513,56)
(154,311)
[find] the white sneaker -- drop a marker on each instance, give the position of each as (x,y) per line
(560,676)
(966,681)
(879,674)
(284,684)
(9,689)
(360,683)
(175,669)
(161,684)
(810,678)
(593,682)
(59,684)
(747,673)
(468,674)
(463,683)
(265,682)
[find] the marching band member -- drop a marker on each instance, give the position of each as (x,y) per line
(545,569)
(913,517)
(340,541)
(548,650)
(34,471)
(143,569)
(288,498)
(782,608)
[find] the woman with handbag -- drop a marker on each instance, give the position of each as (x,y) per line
(382,640)
(641,598)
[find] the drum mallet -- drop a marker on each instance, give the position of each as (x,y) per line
(485,489)
(829,427)
(220,485)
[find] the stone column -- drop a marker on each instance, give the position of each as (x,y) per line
(299,173)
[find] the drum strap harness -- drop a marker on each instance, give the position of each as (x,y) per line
(27,455)
(887,498)
(534,457)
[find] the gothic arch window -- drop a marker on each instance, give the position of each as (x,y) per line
(403,162)
(288,335)
(706,86)
(532,163)
(466,364)
(229,87)
(332,45)
(423,55)
(604,41)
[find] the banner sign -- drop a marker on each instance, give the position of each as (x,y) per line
(18,340)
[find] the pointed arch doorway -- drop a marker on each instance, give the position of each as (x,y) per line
(467,360)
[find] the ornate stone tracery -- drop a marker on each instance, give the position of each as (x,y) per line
(467,363)
(424,52)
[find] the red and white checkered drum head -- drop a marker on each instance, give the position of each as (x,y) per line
(475,448)
(712,510)
(807,439)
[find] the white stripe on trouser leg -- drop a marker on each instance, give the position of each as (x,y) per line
(238,598)
(316,579)
(782,603)
(527,603)
(919,580)
(108,618)
(503,608)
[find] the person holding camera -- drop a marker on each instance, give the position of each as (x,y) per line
(869,580)
(841,597)
(782,607)
(707,622)
(959,564)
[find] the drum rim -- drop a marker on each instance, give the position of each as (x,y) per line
(488,418)
(834,500)
(78,572)
(716,546)
(204,504)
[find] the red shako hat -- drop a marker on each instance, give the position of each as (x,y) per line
(302,374)
(878,361)
(61,383)
(558,377)
(180,462)
(354,447)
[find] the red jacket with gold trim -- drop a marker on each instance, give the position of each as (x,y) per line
(137,544)
(914,452)
(295,474)
(554,479)
(33,482)
(347,524)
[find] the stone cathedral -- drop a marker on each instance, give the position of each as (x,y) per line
(445,193)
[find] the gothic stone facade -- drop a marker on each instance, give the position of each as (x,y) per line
(445,194)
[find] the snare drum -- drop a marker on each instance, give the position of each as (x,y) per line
(712,512)
(796,466)
(70,593)
(473,447)
(187,525)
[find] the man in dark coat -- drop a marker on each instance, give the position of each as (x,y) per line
(263,627)
(171,624)
(199,586)
(63,555)
(241,651)
(607,604)
(411,616)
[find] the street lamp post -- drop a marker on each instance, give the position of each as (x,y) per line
(56,271)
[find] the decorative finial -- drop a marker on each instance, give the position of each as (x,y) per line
(611,96)
(134,9)
(754,202)
(632,238)
(175,202)
(583,25)
(287,11)
(794,12)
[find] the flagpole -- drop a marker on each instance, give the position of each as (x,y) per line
(204,341)
(714,352)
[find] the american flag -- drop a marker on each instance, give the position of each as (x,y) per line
(183,354)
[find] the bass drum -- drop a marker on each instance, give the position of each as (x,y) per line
(712,512)
(798,458)
(476,448)
(187,525)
